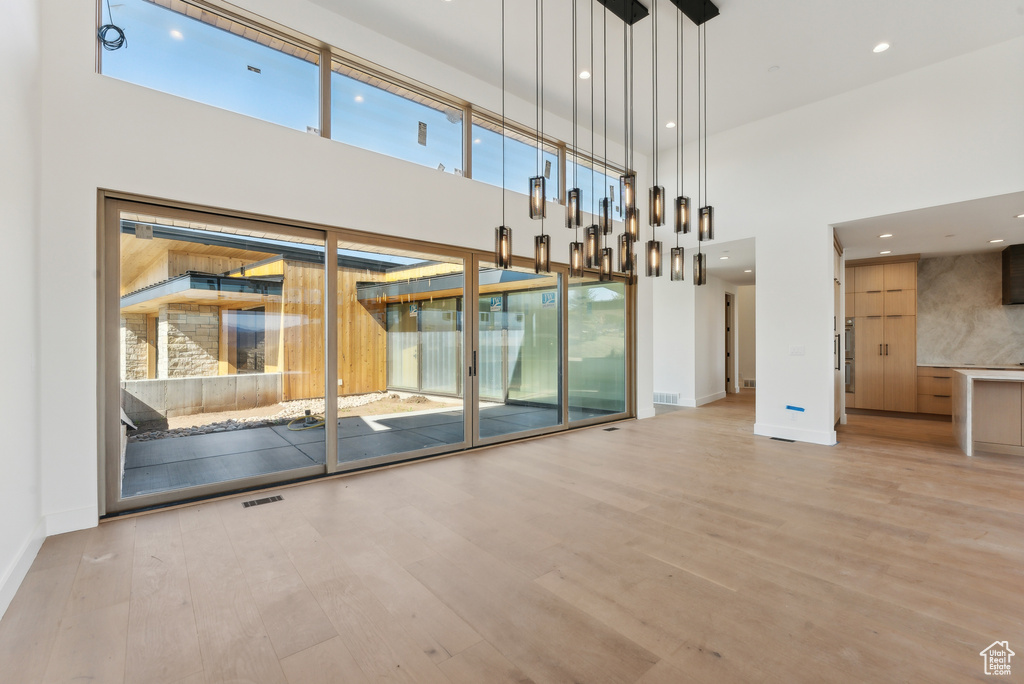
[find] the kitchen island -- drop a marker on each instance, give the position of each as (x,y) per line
(988,410)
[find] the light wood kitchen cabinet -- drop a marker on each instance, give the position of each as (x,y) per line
(885,336)
(901,276)
(869,368)
(935,390)
(900,355)
(870,303)
(851,292)
(869,278)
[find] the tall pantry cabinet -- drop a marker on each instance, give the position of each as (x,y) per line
(885,336)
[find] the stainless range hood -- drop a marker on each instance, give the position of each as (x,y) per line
(1013,275)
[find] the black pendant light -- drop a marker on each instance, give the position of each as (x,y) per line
(676,265)
(591,246)
(538,185)
(706,227)
(656,195)
(606,224)
(627,181)
(503,234)
(574,198)
(682,203)
(700,269)
(625,254)
(576,259)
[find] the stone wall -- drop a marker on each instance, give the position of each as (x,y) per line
(188,339)
(134,348)
(960,314)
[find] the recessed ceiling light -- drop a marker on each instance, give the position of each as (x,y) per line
(881,47)
(359,98)
(888,251)
(723,258)
(887,235)
(670,124)
(476,141)
(992,242)
(176,34)
(1020,215)
(584,74)
(749,271)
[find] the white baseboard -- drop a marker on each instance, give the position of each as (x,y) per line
(69,521)
(16,571)
(709,398)
(645,413)
(826,437)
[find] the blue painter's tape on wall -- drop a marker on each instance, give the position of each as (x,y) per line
(794,408)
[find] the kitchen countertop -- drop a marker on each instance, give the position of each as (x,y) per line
(963,399)
(970,366)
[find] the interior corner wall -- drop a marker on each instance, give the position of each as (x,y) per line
(22,530)
(896,145)
(127,138)
(746,345)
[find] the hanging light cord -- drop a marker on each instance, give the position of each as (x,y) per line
(118,41)
(703,28)
(575,114)
(654,86)
(700,129)
(593,148)
(503,112)
(679,108)
(604,119)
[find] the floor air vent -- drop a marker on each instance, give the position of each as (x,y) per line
(260,502)
(611,429)
(750,384)
(780,439)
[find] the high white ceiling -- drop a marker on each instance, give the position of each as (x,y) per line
(821,48)
(959,228)
(733,269)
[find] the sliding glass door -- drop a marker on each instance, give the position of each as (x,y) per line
(240,353)
(519,351)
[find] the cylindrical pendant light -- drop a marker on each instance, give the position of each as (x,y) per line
(707,223)
(574,208)
(633,223)
(604,217)
(606,263)
(538,207)
(542,253)
(627,190)
(591,246)
(576,259)
(503,247)
(700,269)
(625,253)
(676,266)
(682,214)
(654,258)
(656,206)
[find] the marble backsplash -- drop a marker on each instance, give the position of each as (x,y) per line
(960,316)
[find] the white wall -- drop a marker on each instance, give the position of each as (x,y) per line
(104,133)
(746,344)
(945,133)
(22,531)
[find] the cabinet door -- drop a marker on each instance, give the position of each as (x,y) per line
(997,411)
(900,302)
(870,278)
(869,362)
(851,309)
(869,304)
(900,356)
(851,280)
(902,276)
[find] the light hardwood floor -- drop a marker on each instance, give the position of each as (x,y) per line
(676,549)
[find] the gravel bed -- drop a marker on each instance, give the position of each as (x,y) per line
(290,410)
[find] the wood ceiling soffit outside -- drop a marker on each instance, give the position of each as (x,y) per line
(239,29)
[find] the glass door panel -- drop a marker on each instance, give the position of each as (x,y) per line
(400,354)
(519,351)
(597,348)
(220,338)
